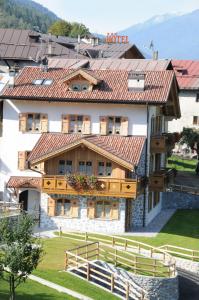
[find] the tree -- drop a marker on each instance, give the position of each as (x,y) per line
(60,28)
(78,29)
(190,136)
(20,251)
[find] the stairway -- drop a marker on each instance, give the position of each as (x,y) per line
(188,285)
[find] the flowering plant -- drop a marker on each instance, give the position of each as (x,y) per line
(83,182)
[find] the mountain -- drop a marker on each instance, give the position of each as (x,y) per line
(25,14)
(174,36)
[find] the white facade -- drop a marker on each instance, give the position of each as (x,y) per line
(189,108)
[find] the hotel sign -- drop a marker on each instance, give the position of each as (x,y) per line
(113,38)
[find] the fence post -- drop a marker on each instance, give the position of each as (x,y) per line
(125,246)
(113,242)
(135,266)
(98,250)
(66,261)
(115,257)
(60,232)
(87,252)
(88,271)
(112,283)
(127,290)
(86,236)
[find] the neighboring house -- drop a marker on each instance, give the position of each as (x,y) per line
(20,47)
(187,73)
(63,125)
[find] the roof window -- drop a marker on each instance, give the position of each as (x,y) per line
(42,82)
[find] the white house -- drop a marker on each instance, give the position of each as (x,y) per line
(87,148)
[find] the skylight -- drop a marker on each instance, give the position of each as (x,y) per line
(42,81)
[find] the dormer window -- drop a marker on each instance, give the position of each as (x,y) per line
(76,87)
(136,81)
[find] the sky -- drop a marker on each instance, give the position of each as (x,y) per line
(102,16)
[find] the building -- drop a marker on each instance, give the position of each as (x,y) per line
(86,147)
(187,74)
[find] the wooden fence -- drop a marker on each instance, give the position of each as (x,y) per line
(83,260)
(182,252)
(132,254)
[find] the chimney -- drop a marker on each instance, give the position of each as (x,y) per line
(136,81)
(44,64)
(155,55)
(12,74)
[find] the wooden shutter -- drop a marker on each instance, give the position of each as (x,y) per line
(115,211)
(22,122)
(22,160)
(44,122)
(86,125)
(91,209)
(103,125)
(65,124)
(124,126)
(74,208)
(51,207)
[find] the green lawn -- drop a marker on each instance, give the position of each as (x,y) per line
(32,290)
(181,164)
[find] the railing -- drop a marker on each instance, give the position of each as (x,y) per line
(140,258)
(128,188)
(181,252)
(184,189)
(79,259)
(160,180)
(9,208)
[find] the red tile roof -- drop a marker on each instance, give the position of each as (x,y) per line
(24,182)
(127,149)
(187,73)
(113,89)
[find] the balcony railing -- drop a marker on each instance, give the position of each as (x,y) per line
(164,142)
(159,181)
(128,188)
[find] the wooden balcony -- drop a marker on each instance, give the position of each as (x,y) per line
(110,187)
(159,181)
(162,143)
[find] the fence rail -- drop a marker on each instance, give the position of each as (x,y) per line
(182,252)
(185,189)
(10,207)
(91,270)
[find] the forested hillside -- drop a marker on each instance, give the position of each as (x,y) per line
(25,14)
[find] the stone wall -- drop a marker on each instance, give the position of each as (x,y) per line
(179,200)
(137,211)
(82,223)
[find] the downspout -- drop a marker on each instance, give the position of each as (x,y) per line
(146,164)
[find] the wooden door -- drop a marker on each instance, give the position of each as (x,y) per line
(128,215)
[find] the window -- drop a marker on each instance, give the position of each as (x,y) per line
(114,125)
(197,97)
(157,162)
(76,124)
(33,122)
(195,120)
(153,200)
(85,167)
(80,87)
(103,209)
(42,82)
(65,167)
(63,208)
(104,168)
(156,125)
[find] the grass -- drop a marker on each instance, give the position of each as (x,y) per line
(182,164)
(32,290)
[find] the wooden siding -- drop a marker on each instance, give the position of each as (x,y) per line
(83,154)
(161,180)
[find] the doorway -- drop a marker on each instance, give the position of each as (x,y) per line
(23,198)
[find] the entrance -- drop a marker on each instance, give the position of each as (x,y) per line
(128,215)
(23,198)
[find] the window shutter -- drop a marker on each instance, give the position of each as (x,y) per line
(124,126)
(91,209)
(44,122)
(86,125)
(103,125)
(74,208)
(115,211)
(22,157)
(65,124)
(51,207)
(22,122)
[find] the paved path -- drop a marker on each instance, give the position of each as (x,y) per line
(59,288)
(155,226)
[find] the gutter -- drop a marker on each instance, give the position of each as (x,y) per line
(146,165)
